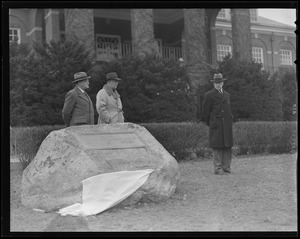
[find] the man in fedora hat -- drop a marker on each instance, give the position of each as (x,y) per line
(78,108)
(108,101)
(216,114)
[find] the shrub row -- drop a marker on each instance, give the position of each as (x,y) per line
(182,140)
(265,137)
(25,141)
(252,137)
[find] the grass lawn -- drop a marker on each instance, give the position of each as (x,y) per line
(259,195)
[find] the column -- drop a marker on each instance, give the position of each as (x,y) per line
(241,34)
(196,48)
(79,25)
(142,32)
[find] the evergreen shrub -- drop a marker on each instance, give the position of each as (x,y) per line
(254,94)
(286,77)
(152,89)
(40,79)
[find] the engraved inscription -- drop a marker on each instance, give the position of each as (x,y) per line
(111,141)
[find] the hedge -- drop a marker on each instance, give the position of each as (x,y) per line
(183,140)
(265,137)
(25,141)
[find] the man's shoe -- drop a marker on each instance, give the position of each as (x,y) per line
(219,173)
(227,171)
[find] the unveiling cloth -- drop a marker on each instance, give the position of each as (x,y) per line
(103,191)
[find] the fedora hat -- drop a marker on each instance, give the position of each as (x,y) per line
(79,76)
(218,78)
(112,76)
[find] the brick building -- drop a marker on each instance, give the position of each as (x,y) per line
(199,36)
(273,43)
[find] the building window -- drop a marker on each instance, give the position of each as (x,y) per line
(108,47)
(222,51)
(222,14)
(286,57)
(253,15)
(257,55)
(14,35)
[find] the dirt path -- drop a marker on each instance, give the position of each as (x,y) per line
(259,195)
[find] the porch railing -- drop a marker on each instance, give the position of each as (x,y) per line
(171,52)
(109,51)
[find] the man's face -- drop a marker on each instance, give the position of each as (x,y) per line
(113,84)
(218,86)
(84,84)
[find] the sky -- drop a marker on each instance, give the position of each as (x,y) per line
(286,16)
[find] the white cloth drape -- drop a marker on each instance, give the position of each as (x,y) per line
(103,191)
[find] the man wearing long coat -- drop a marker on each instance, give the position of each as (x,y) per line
(108,101)
(216,114)
(78,107)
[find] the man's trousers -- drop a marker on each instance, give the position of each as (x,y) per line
(222,159)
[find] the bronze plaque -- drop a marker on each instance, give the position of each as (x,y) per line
(111,141)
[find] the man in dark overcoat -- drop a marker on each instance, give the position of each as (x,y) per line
(217,115)
(78,107)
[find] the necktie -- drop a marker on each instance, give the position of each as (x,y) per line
(220,91)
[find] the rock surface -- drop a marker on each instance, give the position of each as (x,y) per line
(68,156)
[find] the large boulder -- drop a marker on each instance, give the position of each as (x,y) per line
(68,156)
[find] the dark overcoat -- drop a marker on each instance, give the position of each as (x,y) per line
(78,108)
(216,113)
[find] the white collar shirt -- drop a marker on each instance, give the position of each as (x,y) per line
(81,89)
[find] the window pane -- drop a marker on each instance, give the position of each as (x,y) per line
(257,54)
(14,35)
(222,14)
(286,57)
(222,51)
